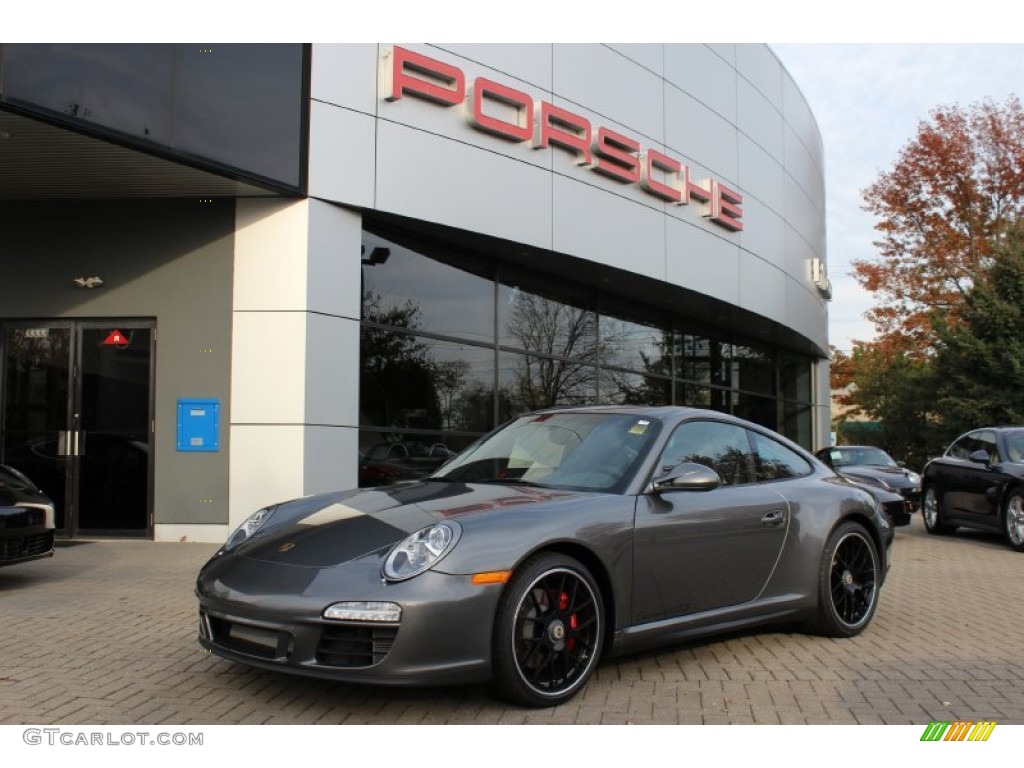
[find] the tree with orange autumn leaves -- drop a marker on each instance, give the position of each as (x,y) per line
(945,211)
(949,198)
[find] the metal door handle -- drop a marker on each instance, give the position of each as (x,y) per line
(70,442)
(773,518)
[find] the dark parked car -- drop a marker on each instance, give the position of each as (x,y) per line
(387,463)
(26,519)
(978,483)
(896,508)
(374,472)
(873,466)
(563,536)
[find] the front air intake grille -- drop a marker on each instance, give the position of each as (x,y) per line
(18,547)
(354,646)
(244,638)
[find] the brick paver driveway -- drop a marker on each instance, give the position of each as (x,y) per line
(104,633)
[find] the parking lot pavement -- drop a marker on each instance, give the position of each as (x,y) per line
(105,633)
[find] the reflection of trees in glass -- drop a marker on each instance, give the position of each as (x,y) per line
(569,334)
(36,378)
(403,383)
(473,409)
(396,380)
(731,464)
(648,388)
(773,469)
(449,379)
(704,360)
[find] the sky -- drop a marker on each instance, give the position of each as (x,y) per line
(868,101)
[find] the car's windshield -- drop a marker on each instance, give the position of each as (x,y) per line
(846,456)
(584,451)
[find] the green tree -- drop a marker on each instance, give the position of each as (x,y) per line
(980,359)
(946,355)
(898,391)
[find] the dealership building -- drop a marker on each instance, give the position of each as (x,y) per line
(237,274)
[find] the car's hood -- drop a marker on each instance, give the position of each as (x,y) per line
(333,528)
(16,488)
(894,476)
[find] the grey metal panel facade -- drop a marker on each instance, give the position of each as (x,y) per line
(729,112)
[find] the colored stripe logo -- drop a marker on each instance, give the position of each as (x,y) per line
(960,730)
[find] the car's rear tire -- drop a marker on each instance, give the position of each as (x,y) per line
(548,632)
(1013,519)
(931,514)
(849,578)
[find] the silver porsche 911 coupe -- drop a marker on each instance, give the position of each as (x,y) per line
(564,536)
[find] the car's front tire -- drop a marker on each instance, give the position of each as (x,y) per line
(849,578)
(548,632)
(1013,519)
(931,515)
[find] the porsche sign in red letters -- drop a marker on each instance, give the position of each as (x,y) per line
(515,116)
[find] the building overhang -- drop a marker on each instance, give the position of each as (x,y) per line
(43,160)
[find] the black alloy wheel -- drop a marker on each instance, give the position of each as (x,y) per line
(849,581)
(548,633)
(931,515)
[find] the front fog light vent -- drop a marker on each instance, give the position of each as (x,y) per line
(390,613)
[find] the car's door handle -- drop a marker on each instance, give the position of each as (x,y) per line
(774,518)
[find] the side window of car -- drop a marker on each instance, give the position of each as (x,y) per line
(961,449)
(723,447)
(774,461)
(1015,446)
(986,441)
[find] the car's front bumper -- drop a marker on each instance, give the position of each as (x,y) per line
(899,512)
(913,497)
(443,636)
(26,533)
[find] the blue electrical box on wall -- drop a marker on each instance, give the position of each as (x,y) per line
(199,424)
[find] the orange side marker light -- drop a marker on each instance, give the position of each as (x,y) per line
(491,577)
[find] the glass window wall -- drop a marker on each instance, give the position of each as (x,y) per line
(455,343)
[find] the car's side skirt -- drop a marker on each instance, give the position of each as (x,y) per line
(774,610)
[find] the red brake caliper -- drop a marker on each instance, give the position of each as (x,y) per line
(563,605)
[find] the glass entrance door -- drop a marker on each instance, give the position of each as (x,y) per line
(77,419)
(36,388)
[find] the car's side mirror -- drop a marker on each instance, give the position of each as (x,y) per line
(979,457)
(687,476)
(901,464)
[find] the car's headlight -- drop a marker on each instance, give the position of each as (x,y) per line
(419,551)
(246,530)
(914,478)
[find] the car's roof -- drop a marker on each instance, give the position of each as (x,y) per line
(667,412)
(671,414)
(855,447)
(995,428)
